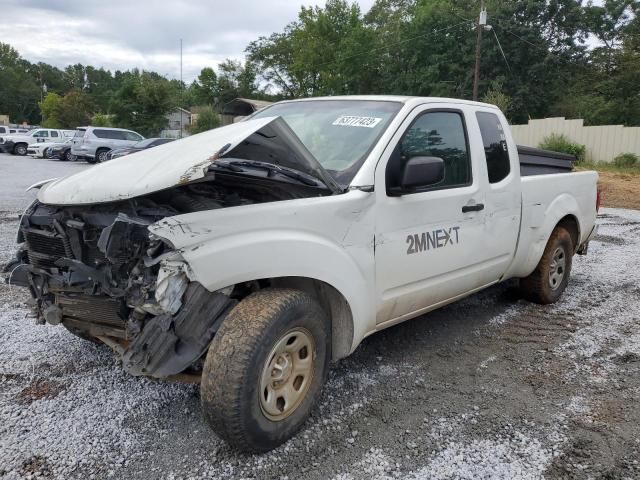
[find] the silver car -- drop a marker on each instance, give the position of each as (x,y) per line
(94,143)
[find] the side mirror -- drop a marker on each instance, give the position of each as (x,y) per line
(422,172)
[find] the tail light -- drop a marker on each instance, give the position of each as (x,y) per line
(598,200)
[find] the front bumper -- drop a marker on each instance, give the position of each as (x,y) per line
(6,147)
(97,270)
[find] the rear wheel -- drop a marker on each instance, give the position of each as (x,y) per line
(101,155)
(265,369)
(69,157)
(20,149)
(547,282)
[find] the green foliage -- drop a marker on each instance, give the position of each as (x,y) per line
(207,120)
(560,143)
(75,109)
(102,120)
(626,160)
(70,111)
(142,103)
(406,47)
(497,97)
(50,108)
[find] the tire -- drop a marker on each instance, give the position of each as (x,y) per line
(45,153)
(69,157)
(20,149)
(551,276)
(241,356)
(101,155)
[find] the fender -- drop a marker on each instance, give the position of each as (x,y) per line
(329,239)
(539,223)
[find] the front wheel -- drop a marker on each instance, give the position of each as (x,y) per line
(20,149)
(547,282)
(265,369)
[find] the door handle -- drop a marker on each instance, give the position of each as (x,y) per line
(473,208)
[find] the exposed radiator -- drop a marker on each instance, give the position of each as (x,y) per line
(93,310)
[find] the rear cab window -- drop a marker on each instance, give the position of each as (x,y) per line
(496,151)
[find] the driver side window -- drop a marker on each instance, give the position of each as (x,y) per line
(433,134)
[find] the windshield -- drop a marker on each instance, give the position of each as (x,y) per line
(339,133)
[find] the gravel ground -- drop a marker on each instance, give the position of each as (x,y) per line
(490,387)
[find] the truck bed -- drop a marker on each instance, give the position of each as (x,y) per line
(536,161)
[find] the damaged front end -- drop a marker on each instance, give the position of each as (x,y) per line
(91,263)
(99,272)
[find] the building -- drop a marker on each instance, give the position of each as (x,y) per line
(178,121)
(4,119)
(239,108)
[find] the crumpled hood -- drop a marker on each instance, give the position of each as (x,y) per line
(167,165)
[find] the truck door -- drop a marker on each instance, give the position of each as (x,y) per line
(41,136)
(502,192)
(432,243)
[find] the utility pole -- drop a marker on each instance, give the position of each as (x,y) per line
(181,90)
(482,21)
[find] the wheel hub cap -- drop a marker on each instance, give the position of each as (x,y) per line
(557,268)
(287,374)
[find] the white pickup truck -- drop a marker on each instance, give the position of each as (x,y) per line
(248,257)
(18,144)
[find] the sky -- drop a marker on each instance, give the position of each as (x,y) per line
(123,34)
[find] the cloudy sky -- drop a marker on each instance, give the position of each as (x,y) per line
(122,34)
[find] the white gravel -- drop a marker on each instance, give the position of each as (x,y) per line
(91,423)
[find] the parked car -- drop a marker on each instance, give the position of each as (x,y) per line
(94,143)
(62,152)
(248,257)
(43,150)
(18,144)
(137,147)
(8,130)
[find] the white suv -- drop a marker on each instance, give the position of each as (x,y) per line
(94,143)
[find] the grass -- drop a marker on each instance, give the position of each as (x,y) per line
(620,186)
(608,167)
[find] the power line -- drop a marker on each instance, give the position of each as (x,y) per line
(388,46)
(501,51)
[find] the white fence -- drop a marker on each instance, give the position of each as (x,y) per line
(603,142)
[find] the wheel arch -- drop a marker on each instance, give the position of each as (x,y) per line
(537,227)
(334,303)
(572,225)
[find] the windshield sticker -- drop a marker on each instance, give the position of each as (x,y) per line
(357,121)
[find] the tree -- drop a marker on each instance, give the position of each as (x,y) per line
(497,97)
(102,120)
(207,119)
(50,109)
(206,87)
(143,102)
(75,109)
